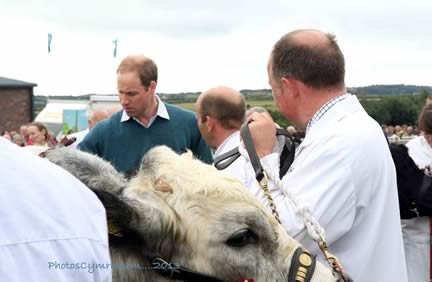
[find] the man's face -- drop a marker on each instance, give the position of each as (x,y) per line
(276,91)
(24,131)
(134,97)
(280,98)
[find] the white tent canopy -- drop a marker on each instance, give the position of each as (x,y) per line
(53,111)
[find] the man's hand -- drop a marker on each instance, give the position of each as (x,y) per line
(263,131)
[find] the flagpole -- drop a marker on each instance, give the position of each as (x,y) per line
(49,42)
(115,42)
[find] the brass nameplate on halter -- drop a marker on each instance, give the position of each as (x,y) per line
(305,259)
(303,266)
(114,230)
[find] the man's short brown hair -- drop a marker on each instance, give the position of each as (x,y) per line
(145,67)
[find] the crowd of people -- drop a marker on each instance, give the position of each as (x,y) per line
(400,133)
(343,175)
(34,134)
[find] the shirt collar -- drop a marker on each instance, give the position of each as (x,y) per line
(327,106)
(161,111)
(220,149)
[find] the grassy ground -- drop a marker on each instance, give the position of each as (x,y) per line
(267,104)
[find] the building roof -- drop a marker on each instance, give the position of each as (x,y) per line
(13,83)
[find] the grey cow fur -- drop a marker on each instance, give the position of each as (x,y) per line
(187,213)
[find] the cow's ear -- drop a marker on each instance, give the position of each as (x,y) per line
(145,221)
(93,171)
(122,217)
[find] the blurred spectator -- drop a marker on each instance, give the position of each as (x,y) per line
(38,137)
(256,109)
(6,134)
(416,231)
(24,133)
(95,116)
(38,133)
(398,130)
(409,132)
(114,109)
(19,140)
(392,137)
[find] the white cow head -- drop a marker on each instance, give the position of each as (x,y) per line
(190,215)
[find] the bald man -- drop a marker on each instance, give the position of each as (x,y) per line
(220,113)
(343,171)
(95,116)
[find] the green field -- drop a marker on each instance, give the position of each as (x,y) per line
(267,104)
(393,110)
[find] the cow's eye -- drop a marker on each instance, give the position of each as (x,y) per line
(242,238)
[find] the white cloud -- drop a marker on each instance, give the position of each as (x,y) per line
(200,44)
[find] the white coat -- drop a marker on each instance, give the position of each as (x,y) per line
(52,227)
(344,173)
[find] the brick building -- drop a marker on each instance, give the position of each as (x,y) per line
(16,103)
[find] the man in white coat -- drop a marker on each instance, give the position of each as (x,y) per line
(343,170)
(52,227)
(220,113)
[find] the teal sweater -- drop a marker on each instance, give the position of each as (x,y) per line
(125,143)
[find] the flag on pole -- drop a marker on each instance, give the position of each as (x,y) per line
(115,41)
(49,42)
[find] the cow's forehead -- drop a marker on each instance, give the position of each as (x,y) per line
(192,181)
(184,173)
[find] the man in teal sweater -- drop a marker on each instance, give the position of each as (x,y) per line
(144,122)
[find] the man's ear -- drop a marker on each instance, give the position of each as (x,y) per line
(153,85)
(211,123)
(289,86)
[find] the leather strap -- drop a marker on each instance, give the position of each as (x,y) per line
(181,272)
(250,148)
(288,152)
(226,159)
(286,157)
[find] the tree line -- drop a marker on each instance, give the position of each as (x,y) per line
(388,110)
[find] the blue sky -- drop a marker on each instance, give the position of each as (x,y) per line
(201,44)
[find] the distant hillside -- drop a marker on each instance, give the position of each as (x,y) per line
(371,90)
(389,90)
(192,96)
(264,94)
